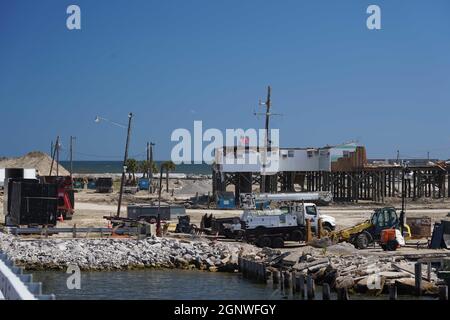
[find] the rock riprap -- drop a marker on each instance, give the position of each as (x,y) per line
(121,254)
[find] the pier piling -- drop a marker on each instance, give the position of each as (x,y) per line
(393,291)
(418,277)
(443,293)
(310,288)
(326,295)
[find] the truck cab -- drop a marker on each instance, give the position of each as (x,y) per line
(310,211)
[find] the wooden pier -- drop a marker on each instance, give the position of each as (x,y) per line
(370,183)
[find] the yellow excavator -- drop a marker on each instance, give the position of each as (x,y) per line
(373,230)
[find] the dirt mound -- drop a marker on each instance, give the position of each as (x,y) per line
(34,160)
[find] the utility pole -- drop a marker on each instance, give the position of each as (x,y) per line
(268,142)
(57,159)
(71,156)
(148,160)
(122,181)
(54,151)
(150,171)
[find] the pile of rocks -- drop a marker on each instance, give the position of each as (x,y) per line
(120,254)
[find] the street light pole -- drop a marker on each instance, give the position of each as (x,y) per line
(130,117)
(406,176)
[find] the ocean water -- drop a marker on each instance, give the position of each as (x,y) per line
(173,285)
(156,284)
(98,167)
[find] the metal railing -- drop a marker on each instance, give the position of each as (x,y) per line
(15,285)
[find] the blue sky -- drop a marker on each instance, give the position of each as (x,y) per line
(172,62)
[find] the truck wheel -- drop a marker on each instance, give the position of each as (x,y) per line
(362,241)
(263,242)
(239,235)
(391,245)
(297,235)
(278,242)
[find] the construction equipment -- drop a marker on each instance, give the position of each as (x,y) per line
(391,239)
(66,196)
(272,227)
(31,203)
(370,231)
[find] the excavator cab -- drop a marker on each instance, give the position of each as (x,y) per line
(384,218)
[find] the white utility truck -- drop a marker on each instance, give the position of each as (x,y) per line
(271,227)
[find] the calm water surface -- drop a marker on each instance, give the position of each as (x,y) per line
(169,285)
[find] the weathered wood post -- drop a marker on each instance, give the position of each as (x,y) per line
(392,291)
(287,281)
(209,198)
(342,294)
(326,294)
(74,231)
(275,277)
(301,284)
(264,273)
(293,281)
(418,276)
(443,293)
(319,229)
(429,271)
(310,288)
(308,231)
(297,284)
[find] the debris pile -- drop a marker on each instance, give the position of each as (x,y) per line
(342,267)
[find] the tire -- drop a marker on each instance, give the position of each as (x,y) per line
(297,235)
(391,245)
(239,235)
(362,241)
(327,228)
(277,242)
(263,242)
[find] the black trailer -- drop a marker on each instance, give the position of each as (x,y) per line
(104,185)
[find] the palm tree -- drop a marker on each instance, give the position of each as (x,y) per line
(167,166)
(144,166)
(132,168)
(154,168)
